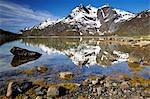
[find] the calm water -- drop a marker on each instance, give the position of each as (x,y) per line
(84,55)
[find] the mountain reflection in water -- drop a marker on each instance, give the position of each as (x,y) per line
(91,55)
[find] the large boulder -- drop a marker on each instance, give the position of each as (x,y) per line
(22,56)
(17,51)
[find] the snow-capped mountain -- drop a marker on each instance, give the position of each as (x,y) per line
(90,19)
(85,20)
(42,25)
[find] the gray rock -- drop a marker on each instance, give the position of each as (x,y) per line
(54,91)
(39,91)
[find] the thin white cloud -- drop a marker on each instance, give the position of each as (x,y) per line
(21,16)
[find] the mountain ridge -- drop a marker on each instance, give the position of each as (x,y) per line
(83,20)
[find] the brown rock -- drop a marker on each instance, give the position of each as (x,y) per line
(66,75)
(9,89)
(39,97)
(42,69)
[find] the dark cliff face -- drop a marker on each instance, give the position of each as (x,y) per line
(107,15)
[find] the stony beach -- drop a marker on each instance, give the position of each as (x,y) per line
(112,86)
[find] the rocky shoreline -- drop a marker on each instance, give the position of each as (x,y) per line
(112,86)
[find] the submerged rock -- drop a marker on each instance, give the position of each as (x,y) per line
(42,69)
(40,91)
(66,75)
(22,56)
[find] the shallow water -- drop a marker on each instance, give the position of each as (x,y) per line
(85,55)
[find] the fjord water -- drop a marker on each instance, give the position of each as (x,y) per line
(83,56)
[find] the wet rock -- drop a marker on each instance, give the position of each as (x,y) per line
(54,91)
(23,52)
(22,56)
(39,91)
(66,75)
(15,88)
(42,69)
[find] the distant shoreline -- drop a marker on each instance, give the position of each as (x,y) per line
(141,41)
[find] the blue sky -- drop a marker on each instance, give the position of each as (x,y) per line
(18,14)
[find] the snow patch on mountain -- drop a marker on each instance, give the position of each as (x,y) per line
(123,15)
(83,17)
(46,24)
(104,6)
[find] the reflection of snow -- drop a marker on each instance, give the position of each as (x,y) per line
(84,55)
(46,49)
(121,56)
(87,55)
(49,50)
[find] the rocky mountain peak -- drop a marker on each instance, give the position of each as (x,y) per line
(88,20)
(80,8)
